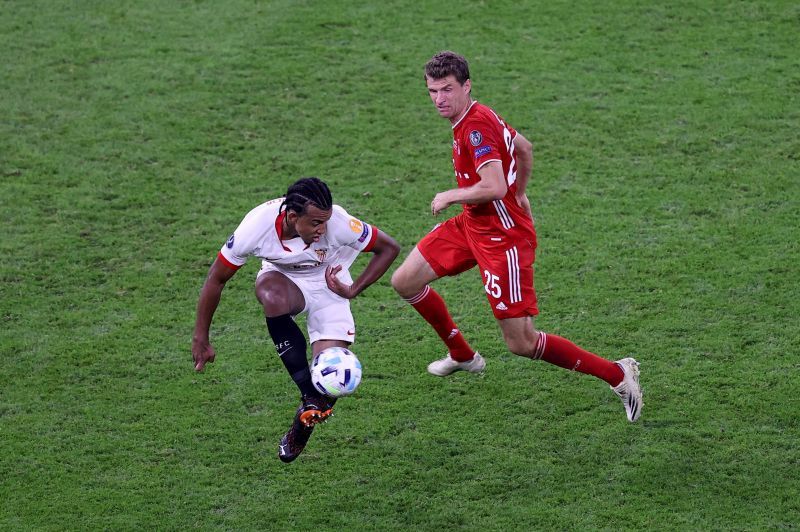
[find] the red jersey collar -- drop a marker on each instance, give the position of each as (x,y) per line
(279,229)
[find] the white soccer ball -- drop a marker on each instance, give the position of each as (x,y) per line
(336,372)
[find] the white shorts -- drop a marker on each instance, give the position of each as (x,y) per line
(329,316)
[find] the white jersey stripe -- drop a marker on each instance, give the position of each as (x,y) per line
(517,283)
(502,212)
(515,291)
(516,295)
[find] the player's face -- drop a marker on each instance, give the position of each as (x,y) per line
(450,97)
(311,225)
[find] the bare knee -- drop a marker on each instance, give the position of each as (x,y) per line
(519,347)
(521,342)
(404,284)
(274,303)
(278,295)
(413,275)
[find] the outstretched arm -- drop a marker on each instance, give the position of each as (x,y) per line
(384,252)
(202,350)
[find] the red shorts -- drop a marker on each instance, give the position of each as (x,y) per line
(505,261)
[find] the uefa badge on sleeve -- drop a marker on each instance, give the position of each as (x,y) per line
(475,138)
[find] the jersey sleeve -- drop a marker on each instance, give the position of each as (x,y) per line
(239,246)
(347,230)
(484,142)
(512,131)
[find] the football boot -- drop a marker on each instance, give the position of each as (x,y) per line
(315,409)
(295,440)
(629,390)
(447,365)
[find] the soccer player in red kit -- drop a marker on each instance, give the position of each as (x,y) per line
(494,231)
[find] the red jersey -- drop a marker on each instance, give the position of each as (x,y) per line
(478,138)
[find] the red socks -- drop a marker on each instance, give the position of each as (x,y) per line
(565,354)
(432,308)
(549,347)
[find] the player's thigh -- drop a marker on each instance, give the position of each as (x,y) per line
(446,249)
(507,273)
(278,294)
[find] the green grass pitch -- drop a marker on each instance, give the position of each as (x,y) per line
(666,189)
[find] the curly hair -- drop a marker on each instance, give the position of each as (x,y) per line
(307,191)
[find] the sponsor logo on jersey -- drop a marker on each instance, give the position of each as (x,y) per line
(364,233)
(483,150)
(475,138)
(321,253)
(356,226)
(304,266)
(230,242)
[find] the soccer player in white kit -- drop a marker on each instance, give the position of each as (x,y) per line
(307,245)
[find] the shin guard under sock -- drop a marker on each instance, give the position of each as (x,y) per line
(563,353)
(291,346)
(432,308)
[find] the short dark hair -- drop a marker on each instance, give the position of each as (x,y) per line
(447,63)
(307,191)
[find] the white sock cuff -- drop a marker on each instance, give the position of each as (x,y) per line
(419,297)
(541,344)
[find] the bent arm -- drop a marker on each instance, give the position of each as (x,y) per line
(491,187)
(524,152)
(218,275)
(385,250)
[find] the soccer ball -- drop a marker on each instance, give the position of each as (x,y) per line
(336,372)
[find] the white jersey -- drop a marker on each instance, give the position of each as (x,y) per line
(260,235)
